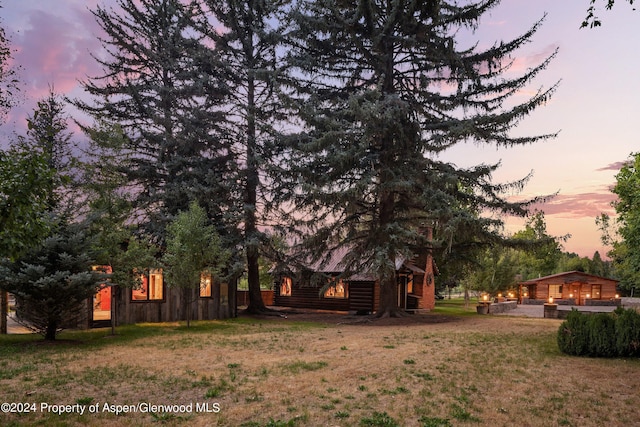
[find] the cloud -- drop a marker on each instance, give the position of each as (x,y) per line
(56,51)
(52,47)
(527,62)
(580,205)
(613,166)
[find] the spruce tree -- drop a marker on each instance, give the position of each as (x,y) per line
(385,88)
(160,85)
(53,280)
(48,134)
(249,48)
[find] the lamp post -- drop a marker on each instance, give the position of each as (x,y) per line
(550,309)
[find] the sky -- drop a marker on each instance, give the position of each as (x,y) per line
(594,109)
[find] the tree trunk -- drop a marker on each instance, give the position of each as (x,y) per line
(256,304)
(388,281)
(4,311)
(389,299)
(50,333)
(187,295)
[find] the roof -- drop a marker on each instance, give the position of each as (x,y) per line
(333,265)
(568,275)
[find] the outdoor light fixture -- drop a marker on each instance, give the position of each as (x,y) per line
(550,300)
(588,295)
(570,295)
(485,297)
(617,296)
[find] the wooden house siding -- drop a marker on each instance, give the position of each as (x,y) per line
(309,297)
(362,296)
(221,305)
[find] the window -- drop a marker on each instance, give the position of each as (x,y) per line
(555,291)
(151,288)
(285,287)
(205,285)
(407,281)
(337,290)
(595,291)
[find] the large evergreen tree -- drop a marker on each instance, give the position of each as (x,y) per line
(249,50)
(108,208)
(386,87)
(160,86)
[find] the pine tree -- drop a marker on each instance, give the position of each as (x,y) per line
(52,280)
(385,89)
(108,208)
(249,50)
(48,134)
(160,85)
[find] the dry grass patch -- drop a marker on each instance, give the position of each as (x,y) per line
(430,370)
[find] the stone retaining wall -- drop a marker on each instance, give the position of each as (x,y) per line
(501,307)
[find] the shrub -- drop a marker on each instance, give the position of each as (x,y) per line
(627,330)
(601,335)
(573,335)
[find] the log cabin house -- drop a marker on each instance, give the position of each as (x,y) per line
(360,292)
(570,288)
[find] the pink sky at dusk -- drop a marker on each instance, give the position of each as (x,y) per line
(595,108)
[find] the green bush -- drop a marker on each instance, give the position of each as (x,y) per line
(601,334)
(627,330)
(573,335)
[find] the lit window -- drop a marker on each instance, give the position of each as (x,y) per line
(205,285)
(595,291)
(555,291)
(285,287)
(151,287)
(337,290)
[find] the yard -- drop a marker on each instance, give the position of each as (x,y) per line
(446,368)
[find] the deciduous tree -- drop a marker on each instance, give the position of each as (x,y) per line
(193,249)
(591,19)
(25,180)
(9,84)
(624,235)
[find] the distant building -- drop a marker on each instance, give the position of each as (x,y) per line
(571,288)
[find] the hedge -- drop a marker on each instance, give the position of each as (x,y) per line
(614,334)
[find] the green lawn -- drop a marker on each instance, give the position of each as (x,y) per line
(447,368)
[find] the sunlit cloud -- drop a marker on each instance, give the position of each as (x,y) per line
(580,205)
(612,166)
